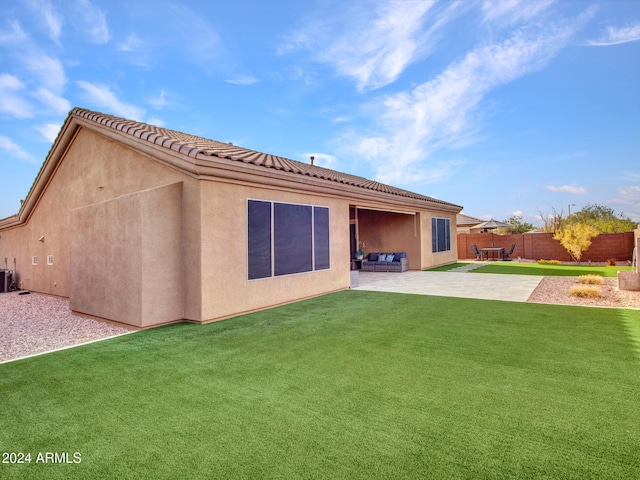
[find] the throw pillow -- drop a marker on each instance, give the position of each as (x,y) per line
(389,258)
(382,258)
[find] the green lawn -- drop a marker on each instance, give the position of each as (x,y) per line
(349,385)
(574,270)
(445,268)
(516,268)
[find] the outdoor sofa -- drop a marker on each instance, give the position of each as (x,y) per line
(386,262)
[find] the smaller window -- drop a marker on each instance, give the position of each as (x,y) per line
(50,260)
(34,260)
(440,234)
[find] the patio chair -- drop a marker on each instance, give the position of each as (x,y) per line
(476,252)
(506,255)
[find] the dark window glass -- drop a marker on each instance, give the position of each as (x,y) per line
(259,239)
(321,237)
(293,241)
(434,234)
(440,234)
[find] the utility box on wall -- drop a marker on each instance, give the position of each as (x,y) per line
(5,280)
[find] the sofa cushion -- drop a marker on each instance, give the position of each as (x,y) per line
(389,257)
(373,256)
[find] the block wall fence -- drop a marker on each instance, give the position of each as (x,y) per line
(534,246)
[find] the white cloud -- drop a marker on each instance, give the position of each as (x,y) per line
(14,149)
(51,18)
(629,196)
(49,131)
(56,102)
(101,96)
(14,36)
(169,32)
(92,21)
(158,122)
(9,82)
(443,113)
(132,43)
(49,71)
(372,46)
(45,77)
(242,80)
(159,101)
(11,101)
(513,11)
(568,189)
(378,53)
(618,35)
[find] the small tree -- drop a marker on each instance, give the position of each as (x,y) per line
(604,219)
(517,225)
(551,222)
(576,238)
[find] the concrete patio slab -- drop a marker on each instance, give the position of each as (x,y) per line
(487,286)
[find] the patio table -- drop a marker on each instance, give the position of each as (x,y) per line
(493,251)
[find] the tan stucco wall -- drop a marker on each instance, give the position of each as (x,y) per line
(429,258)
(101,177)
(95,169)
(126,258)
(225,287)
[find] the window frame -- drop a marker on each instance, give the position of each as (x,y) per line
(440,244)
(320,254)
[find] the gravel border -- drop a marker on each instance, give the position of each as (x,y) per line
(35,323)
(555,290)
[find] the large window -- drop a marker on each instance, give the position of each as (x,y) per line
(440,235)
(286,238)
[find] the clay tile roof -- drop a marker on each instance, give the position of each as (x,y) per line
(192,146)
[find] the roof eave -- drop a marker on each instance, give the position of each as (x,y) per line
(50,165)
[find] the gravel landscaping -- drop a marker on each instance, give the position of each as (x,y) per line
(36,323)
(556,290)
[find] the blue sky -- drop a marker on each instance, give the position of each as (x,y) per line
(504,107)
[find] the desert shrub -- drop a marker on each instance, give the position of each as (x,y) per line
(575,238)
(611,262)
(585,291)
(591,280)
(542,261)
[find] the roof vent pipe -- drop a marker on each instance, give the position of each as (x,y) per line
(312,159)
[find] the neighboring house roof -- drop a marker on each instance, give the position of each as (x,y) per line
(463,220)
(200,156)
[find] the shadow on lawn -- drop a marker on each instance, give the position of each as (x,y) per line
(631,324)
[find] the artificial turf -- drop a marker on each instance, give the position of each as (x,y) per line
(571,270)
(517,268)
(348,385)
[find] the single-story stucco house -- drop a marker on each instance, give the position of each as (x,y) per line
(145,225)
